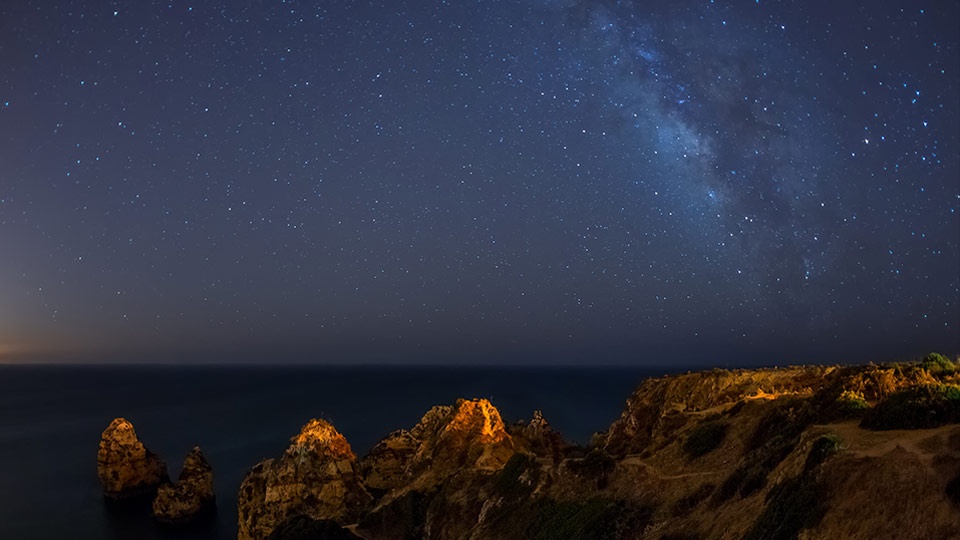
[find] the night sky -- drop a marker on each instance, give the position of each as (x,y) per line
(557,181)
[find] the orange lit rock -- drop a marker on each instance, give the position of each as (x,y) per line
(474,436)
(317,477)
(191,496)
(125,467)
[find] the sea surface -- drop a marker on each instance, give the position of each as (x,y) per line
(51,418)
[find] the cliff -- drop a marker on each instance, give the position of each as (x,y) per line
(316,477)
(801,452)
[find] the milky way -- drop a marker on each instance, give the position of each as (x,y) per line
(555,181)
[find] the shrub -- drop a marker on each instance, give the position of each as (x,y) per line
(508,483)
(917,407)
(704,438)
(936,362)
(851,403)
(822,448)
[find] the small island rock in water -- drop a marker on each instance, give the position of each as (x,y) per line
(191,497)
(126,468)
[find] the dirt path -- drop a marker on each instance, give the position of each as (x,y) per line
(925,443)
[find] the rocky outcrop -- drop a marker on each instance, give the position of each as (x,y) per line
(772,453)
(452,449)
(651,406)
(385,467)
(317,477)
(542,440)
(126,468)
(191,497)
(471,435)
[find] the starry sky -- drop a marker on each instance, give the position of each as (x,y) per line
(549,181)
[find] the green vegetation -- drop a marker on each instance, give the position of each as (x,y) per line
(917,407)
(937,363)
(851,404)
(822,448)
(705,438)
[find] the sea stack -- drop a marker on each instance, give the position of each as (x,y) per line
(317,477)
(127,469)
(191,497)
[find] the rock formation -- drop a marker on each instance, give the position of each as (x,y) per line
(385,467)
(803,452)
(125,467)
(191,496)
(317,477)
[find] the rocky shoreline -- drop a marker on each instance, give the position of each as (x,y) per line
(802,452)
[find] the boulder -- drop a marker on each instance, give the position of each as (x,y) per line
(126,468)
(317,477)
(191,497)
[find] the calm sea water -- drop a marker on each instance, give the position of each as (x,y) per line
(51,418)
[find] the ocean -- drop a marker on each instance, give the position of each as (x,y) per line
(51,418)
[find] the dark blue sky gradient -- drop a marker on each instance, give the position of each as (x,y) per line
(555,181)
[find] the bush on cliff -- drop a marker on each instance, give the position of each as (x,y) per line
(508,482)
(938,363)
(705,438)
(851,404)
(917,407)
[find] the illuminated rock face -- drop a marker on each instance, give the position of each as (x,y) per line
(659,398)
(317,477)
(472,436)
(469,435)
(191,496)
(125,467)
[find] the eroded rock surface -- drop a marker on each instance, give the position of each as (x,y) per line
(126,468)
(191,497)
(317,477)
